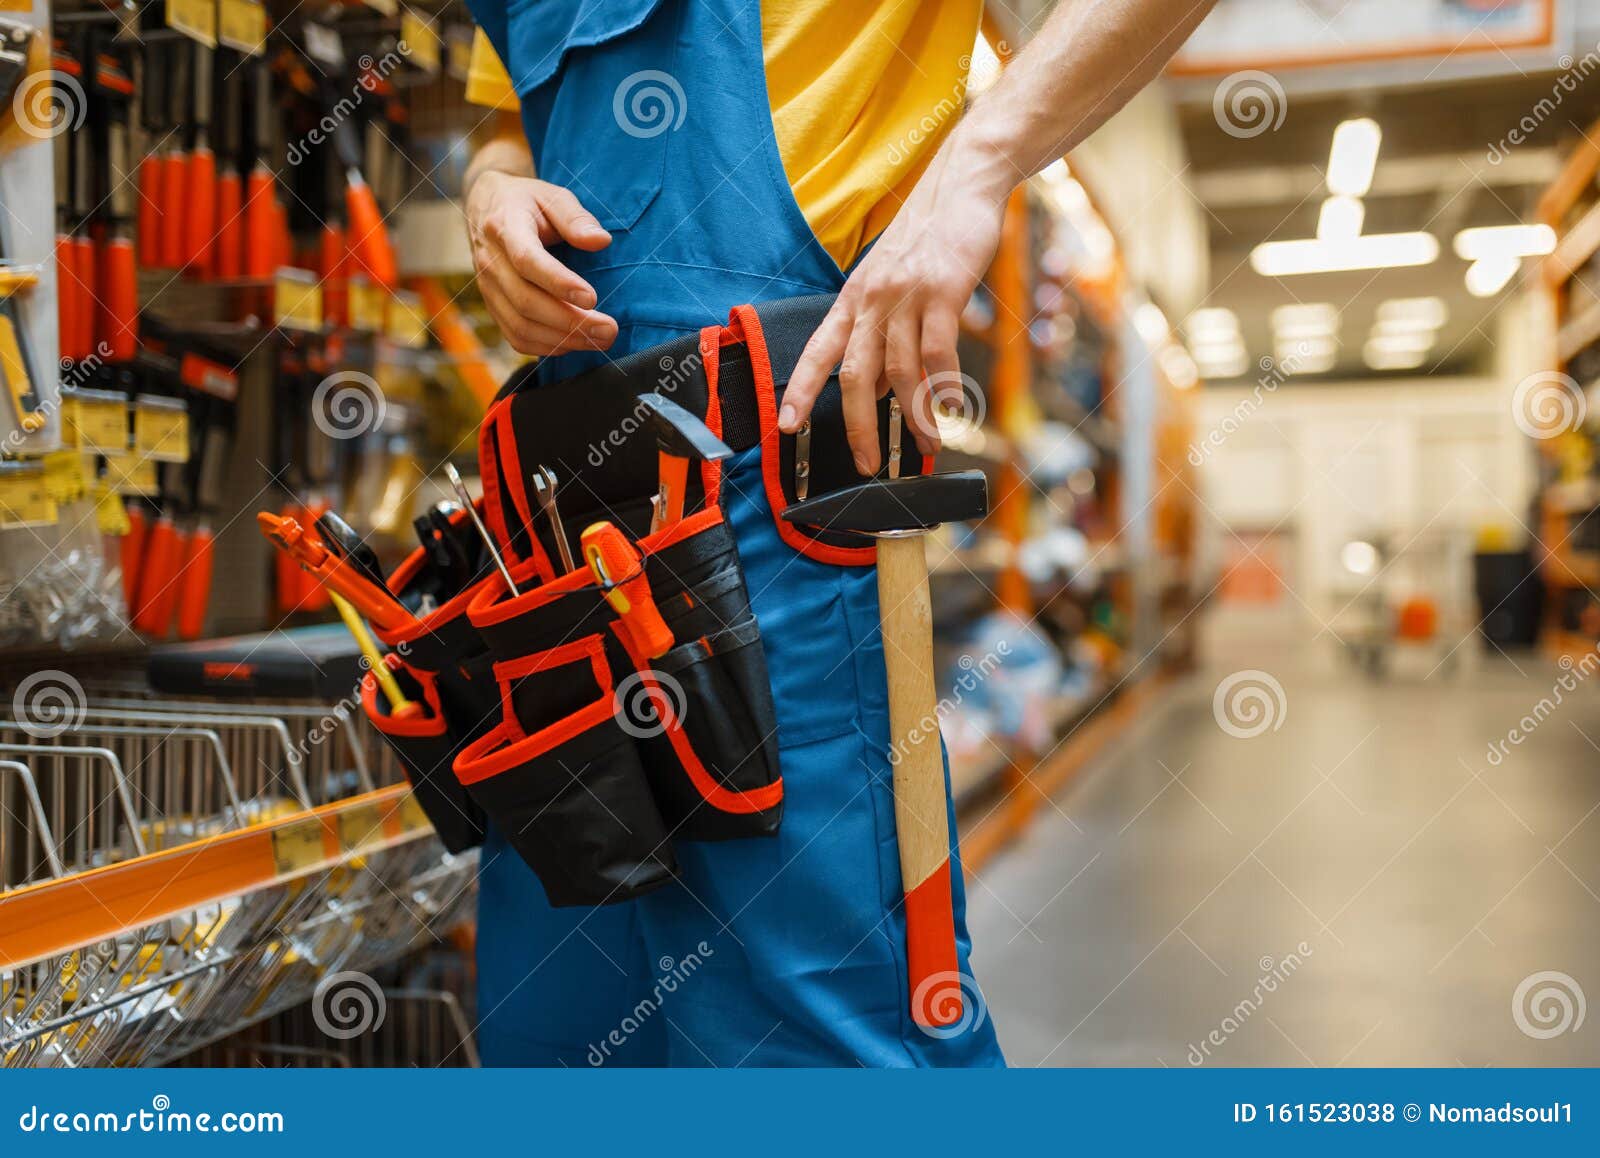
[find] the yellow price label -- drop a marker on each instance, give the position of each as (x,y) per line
(64,475)
(132,474)
(110,516)
(387,7)
(412,818)
(196,19)
(418,41)
(242,25)
(161,432)
(297,299)
(360,827)
(407,325)
(369,306)
(297,847)
(460,57)
(25,500)
(97,424)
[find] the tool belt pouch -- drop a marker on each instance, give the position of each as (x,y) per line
(560,775)
(703,711)
(442,655)
(427,745)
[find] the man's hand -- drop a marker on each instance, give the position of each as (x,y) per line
(896,322)
(542,307)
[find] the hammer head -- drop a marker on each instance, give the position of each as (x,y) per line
(881,505)
(680,433)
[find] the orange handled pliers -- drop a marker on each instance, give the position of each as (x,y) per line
(333,571)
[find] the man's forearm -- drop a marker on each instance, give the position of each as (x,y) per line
(505,151)
(1088,60)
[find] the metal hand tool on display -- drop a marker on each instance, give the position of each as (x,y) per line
(680,437)
(465,496)
(227,252)
(898,513)
(618,568)
(116,313)
(333,571)
(200,193)
(174,180)
(544,488)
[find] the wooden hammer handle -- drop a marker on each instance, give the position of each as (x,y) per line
(921,805)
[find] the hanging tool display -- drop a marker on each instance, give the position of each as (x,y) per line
(16,362)
(116,313)
(200,189)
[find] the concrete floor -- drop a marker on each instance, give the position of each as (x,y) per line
(1360,886)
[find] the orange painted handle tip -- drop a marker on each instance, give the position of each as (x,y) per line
(369,239)
(932,965)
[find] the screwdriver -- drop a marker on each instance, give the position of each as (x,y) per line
(466,500)
(200,191)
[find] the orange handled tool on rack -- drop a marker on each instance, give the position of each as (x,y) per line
(334,572)
(369,239)
(174,179)
(619,569)
(200,193)
(194,582)
(158,577)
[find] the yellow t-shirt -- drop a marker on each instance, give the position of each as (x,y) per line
(862,92)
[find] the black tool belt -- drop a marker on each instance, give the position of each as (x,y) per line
(591,758)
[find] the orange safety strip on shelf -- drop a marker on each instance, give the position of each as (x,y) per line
(51,917)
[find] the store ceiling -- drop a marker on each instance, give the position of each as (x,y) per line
(1434,173)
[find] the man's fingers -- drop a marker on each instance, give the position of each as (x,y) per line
(571,221)
(519,240)
(941,329)
(821,355)
(535,305)
(902,367)
(858,380)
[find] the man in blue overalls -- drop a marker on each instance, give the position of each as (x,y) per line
(694,155)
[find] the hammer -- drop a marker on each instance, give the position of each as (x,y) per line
(680,436)
(899,512)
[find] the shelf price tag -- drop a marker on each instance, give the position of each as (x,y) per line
(242,25)
(407,325)
(297,847)
(420,40)
(64,475)
(132,474)
(296,299)
(360,827)
(412,818)
(96,420)
(24,498)
(369,305)
(196,19)
(161,431)
(110,516)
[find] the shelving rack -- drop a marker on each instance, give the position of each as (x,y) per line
(1568,538)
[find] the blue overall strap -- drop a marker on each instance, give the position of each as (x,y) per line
(778,951)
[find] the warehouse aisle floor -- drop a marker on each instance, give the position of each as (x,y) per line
(1359,886)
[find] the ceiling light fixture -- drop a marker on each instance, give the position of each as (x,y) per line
(1407,313)
(1353,157)
(1505,241)
(1369,251)
(1341,219)
(1489,275)
(1381,359)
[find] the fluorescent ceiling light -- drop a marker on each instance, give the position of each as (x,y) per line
(1381,359)
(1502,241)
(1341,219)
(1353,157)
(1403,342)
(1308,363)
(1370,251)
(1489,275)
(1317,346)
(1213,321)
(1405,313)
(1307,320)
(1231,368)
(1179,366)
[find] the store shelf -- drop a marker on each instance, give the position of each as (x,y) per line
(1575,249)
